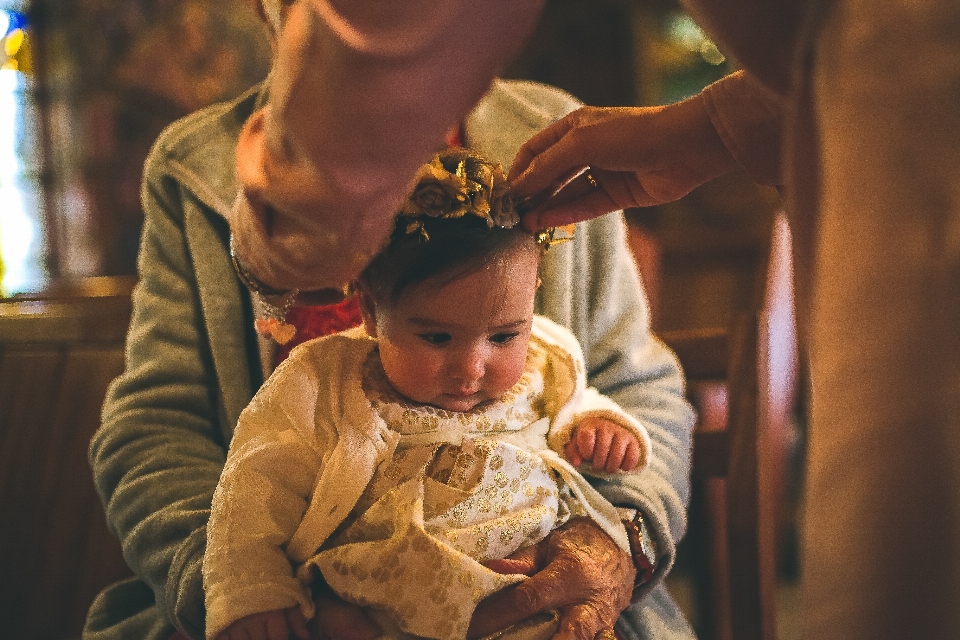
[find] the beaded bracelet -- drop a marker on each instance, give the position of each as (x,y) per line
(275,303)
(643,547)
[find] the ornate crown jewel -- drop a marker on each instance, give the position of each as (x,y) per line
(480,189)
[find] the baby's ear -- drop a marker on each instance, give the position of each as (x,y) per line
(368,310)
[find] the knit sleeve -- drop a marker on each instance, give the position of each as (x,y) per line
(749,119)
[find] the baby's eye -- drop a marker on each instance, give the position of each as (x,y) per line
(503,338)
(436,338)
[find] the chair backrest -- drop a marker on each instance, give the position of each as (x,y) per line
(57,356)
(742,380)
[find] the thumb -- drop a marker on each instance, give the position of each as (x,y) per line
(554,213)
(524,561)
(544,590)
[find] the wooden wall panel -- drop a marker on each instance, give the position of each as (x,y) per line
(56,554)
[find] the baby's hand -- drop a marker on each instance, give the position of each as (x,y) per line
(606,445)
(269,625)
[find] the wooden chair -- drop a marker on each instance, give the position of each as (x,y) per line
(60,349)
(57,356)
(742,380)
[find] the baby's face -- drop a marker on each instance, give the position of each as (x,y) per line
(458,344)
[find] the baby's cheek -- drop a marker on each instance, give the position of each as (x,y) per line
(507,374)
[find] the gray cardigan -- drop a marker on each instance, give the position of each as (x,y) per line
(193,364)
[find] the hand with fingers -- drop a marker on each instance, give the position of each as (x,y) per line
(337,619)
(606,445)
(280,624)
(597,160)
(577,570)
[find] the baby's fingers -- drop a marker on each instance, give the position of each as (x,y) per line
(616,455)
(586,441)
(573,453)
(632,456)
(601,449)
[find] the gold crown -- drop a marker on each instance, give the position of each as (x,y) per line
(472,186)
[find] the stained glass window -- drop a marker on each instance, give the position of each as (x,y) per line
(20,227)
(85,88)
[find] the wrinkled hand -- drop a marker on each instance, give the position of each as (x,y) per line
(638,157)
(577,570)
(338,619)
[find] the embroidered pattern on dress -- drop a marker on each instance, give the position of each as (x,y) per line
(517,408)
(460,488)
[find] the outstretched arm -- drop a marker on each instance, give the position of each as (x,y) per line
(361,94)
(643,156)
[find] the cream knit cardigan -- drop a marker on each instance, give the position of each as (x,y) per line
(308,445)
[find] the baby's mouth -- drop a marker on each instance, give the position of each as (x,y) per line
(460,401)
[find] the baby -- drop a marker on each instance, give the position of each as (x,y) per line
(391,461)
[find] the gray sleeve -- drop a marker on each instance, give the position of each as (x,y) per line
(158,454)
(592,286)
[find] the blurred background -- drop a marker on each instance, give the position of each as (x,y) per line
(85,88)
(87,85)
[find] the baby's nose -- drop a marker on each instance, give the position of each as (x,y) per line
(470,367)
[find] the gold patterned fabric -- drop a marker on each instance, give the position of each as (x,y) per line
(434,512)
(397,504)
(432,533)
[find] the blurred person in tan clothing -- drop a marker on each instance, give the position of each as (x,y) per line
(852,107)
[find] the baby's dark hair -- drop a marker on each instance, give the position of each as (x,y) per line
(445,228)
